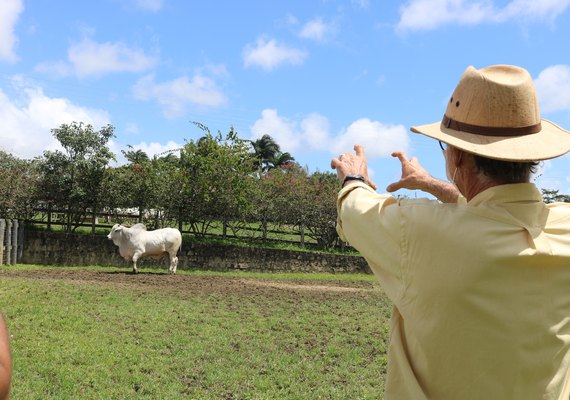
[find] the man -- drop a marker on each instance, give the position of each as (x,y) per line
(5,362)
(480,280)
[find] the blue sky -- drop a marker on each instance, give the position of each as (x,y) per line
(317,75)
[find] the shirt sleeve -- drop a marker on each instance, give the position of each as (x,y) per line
(371,223)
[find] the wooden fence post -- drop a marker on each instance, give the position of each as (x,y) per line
(8,236)
(49,218)
(15,225)
(93,222)
(2,228)
(20,249)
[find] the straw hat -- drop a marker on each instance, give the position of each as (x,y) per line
(494,113)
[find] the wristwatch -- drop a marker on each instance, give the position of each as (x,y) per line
(349,178)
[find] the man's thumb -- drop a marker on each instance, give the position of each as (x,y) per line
(394,186)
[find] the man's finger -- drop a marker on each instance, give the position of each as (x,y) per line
(401,156)
(335,162)
(394,186)
(359,150)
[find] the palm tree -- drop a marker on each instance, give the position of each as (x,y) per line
(266,149)
(280,160)
(136,156)
(169,158)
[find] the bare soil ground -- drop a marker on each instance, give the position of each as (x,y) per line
(182,285)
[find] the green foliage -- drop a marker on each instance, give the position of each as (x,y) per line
(268,155)
(71,178)
(321,213)
(216,181)
(552,196)
(19,180)
(289,196)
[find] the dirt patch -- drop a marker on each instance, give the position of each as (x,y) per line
(187,284)
(307,287)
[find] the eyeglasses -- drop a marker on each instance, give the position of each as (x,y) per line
(442,145)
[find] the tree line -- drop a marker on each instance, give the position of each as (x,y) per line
(216,178)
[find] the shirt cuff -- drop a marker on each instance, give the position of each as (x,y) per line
(342,195)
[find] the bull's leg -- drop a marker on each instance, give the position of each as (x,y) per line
(136,256)
(173,264)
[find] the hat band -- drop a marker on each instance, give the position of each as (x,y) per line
(449,123)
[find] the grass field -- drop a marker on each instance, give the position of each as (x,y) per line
(94,333)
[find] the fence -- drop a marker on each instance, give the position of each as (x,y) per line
(11,240)
(266,232)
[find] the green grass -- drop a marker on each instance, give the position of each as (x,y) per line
(81,339)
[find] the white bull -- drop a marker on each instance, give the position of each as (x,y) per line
(136,242)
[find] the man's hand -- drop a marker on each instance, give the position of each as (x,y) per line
(352,164)
(415,177)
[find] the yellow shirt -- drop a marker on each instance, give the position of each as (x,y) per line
(481,291)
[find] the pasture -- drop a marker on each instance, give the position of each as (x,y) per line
(104,333)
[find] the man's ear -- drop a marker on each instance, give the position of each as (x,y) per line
(458,157)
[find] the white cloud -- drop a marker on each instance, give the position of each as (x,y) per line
(317,30)
(431,14)
(155,148)
(534,9)
(150,5)
(312,133)
(379,139)
(315,130)
(27,120)
(553,88)
(9,13)
(283,130)
(175,96)
(151,149)
(269,54)
(89,58)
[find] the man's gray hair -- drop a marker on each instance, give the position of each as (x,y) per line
(506,171)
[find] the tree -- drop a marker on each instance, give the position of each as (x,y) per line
(282,198)
(135,156)
(141,180)
(18,185)
(215,178)
(72,178)
(321,212)
(552,196)
(280,160)
(266,150)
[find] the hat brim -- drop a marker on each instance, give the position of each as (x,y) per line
(552,141)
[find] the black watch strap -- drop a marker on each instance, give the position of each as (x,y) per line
(349,178)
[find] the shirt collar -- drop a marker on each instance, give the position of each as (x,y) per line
(510,193)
